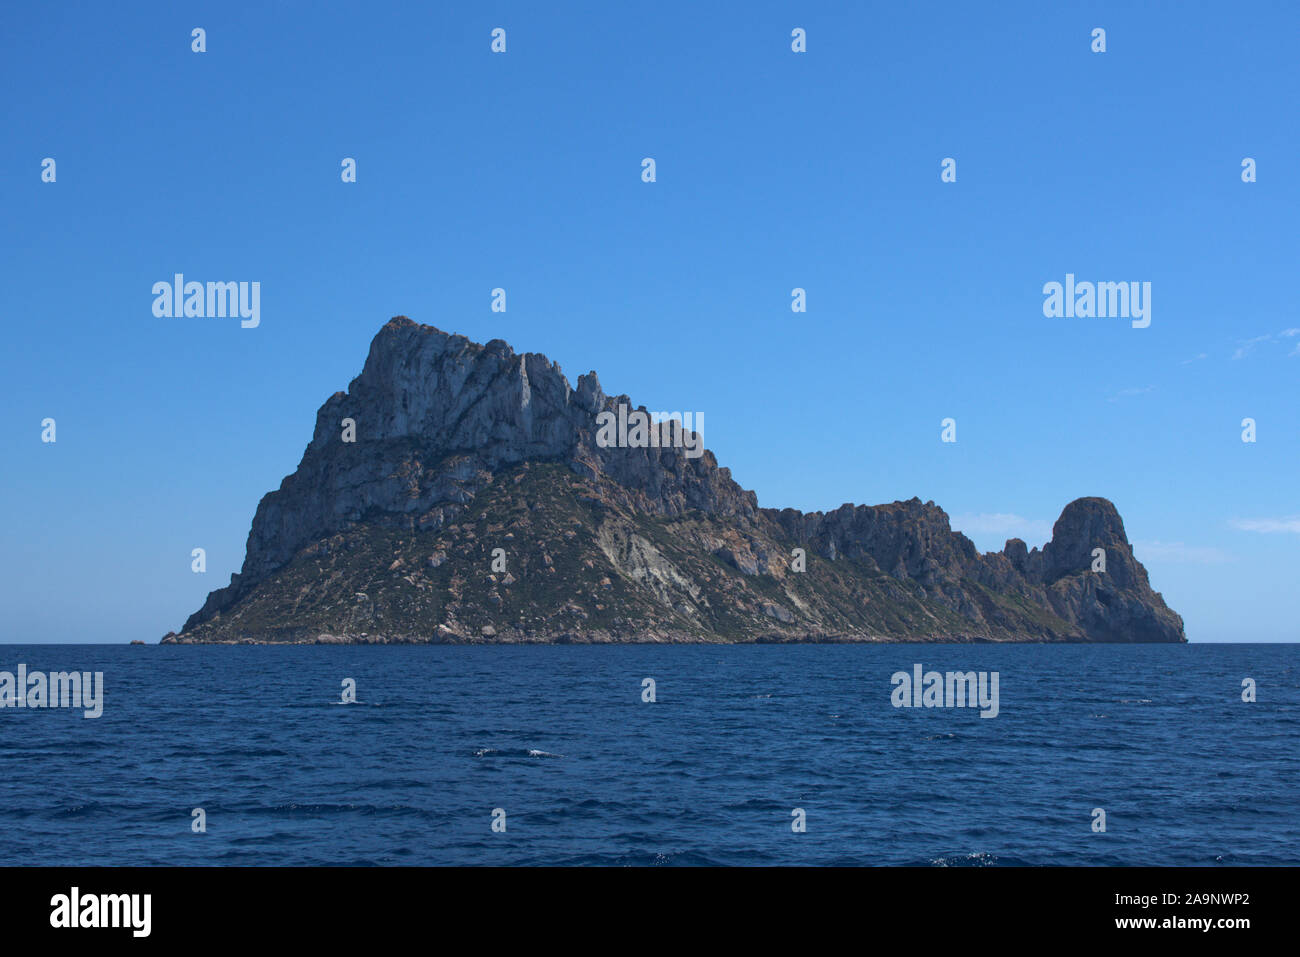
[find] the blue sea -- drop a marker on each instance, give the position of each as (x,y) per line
(586,772)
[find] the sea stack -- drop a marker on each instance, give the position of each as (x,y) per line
(459,492)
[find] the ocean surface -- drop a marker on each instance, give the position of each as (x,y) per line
(587,773)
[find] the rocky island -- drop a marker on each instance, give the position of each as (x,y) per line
(458,492)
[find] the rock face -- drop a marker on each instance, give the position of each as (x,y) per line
(476,504)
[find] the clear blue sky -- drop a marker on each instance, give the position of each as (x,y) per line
(775,170)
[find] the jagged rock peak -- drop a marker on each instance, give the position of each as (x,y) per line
(442,446)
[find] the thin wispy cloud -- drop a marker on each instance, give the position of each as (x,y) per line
(1246,346)
(1195,358)
(996,527)
(1127,393)
(1268,525)
(1179,552)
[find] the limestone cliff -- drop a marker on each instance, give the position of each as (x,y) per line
(477,504)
